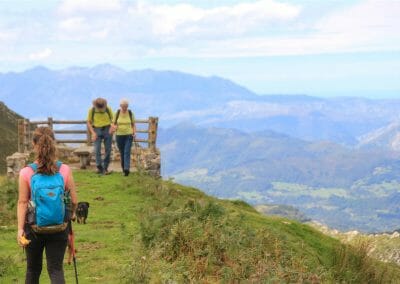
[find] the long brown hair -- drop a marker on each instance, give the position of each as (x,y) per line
(44,141)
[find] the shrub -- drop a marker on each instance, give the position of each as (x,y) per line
(8,201)
(352,264)
(203,243)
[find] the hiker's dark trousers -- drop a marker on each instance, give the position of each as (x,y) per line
(124,143)
(55,245)
(103,134)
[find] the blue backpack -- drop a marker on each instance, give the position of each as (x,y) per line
(47,206)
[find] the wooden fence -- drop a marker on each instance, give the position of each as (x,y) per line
(26,128)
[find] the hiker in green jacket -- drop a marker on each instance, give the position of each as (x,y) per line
(124,125)
(99,122)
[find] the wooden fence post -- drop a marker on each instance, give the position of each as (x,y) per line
(50,122)
(153,125)
(21,135)
(27,135)
(88,136)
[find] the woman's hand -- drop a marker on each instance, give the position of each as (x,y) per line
(73,217)
(113,128)
(21,240)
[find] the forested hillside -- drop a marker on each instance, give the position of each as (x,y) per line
(9,136)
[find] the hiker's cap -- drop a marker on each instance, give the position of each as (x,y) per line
(100,103)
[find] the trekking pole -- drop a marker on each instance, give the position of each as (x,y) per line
(72,251)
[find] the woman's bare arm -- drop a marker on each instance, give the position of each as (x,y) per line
(23,199)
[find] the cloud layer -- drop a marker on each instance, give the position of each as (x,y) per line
(126,29)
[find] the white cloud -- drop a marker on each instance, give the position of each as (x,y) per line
(83,29)
(186,20)
(101,34)
(75,24)
(8,35)
(371,25)
(43,54)
(129,29)
(89,6)
(168,24)
(164,19)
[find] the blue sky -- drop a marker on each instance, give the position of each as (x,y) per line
(315,47)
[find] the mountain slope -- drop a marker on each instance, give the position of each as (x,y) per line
(143,230)
(268,155)
(342,187)
(387,137)
(9,134)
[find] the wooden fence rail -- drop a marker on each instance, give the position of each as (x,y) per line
(26,128)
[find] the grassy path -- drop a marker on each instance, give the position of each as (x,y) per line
(104,244)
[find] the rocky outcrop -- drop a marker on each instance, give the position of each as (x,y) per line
(382,246)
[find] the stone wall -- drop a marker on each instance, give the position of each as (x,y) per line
(146,160)
(66,154)
(15,163)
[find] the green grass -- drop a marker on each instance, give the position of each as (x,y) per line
(301,189)
(145,230)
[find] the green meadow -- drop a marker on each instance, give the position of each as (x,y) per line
(146,230)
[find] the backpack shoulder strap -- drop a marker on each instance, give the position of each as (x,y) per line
(58,164)
(116,116)
(130,116)
(93,110)
(109,113)
(34,167)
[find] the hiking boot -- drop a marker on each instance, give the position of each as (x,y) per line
(126,173)
(107,172)
(99,170)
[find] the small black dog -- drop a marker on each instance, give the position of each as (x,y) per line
(82,212)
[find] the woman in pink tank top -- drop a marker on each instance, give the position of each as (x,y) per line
(54,243)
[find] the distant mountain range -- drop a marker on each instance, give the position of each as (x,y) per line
(207,101)
(69,92)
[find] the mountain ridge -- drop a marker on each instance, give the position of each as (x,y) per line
(205,100)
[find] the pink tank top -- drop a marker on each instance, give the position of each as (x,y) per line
(27,173)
